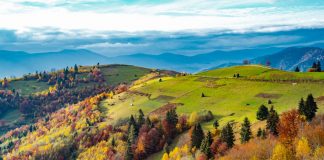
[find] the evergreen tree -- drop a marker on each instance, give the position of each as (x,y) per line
(129,152)
(76,69)
(259,133)
(202,95)
(209,137)
(262,113)
(172,117)
(148,122)
(263,134)
(297,69)
(133,123)
(246,131)
(140,119)
(129,155)
(302,107)
(311,107)
(131,134)
(113,142)
(205,146)
(269,101)
(197,136)
(314,65)
(308,108)
(227,135)
(318,69)
(272,121)
(216,124)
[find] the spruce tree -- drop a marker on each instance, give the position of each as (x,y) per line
(133,123)
(216,124)
(272,121)
(314,65)
(318,69)
(263,134)
(297,69)
(197,136)
(311,107)
(140,119)
(209,137)
(129,155)
(246,131)
(148,122)
(227,135)
(302,107)
(259,132)
(76,69)
(262,113)
(172,117)
(130,141)
(205,146)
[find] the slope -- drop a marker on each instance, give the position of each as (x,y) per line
(290,58)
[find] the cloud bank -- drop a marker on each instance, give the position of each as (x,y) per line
(116,27)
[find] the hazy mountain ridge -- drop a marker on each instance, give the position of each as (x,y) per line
(23,63)
(290,58)
(194,63)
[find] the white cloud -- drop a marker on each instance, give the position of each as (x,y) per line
(110,45)
(183,15)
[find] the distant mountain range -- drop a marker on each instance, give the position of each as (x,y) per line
(290,58)
(14,63)
(191,63)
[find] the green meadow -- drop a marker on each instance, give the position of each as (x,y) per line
(229,98)
(113,74)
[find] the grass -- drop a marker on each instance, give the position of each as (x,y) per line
(230,98)
(262,73)
(28,87)
(113,74)
(10,118)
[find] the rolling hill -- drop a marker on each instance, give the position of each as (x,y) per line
(229,98)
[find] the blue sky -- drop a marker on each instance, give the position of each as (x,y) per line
(116,27)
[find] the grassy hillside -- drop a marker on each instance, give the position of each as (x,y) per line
(113,75)
(229,98)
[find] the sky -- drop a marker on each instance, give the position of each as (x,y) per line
(119,27)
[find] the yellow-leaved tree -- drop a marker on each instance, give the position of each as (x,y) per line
(193,119)
(303,150)
(280,152)
(319,153)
